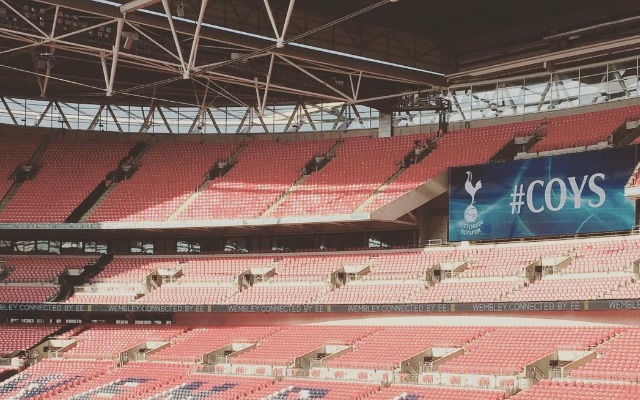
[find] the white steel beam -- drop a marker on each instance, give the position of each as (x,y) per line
(276,31)
(116,53)
(62,115)
(152,40)
(196,38)
(13,118)
(287,19)
(113,116)
(105,70)
(47,73)
(263,104)
(296,66)
(44,113)
(174,33)
(136,5)
(355,89)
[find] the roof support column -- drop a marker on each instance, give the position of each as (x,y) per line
(167,10)
(116,53)
(196,38)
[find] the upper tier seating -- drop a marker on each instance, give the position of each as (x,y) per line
(618,359)
(506,351)
(51,376)
(71,169)
(41,268)
(387,348)
(295,341)
(194,344)
(170,172)
(15,149)
(265,170)
(15,337)
(565,390)
(413,392)
(456,148)
(361,165)
(583,129)
(105,342)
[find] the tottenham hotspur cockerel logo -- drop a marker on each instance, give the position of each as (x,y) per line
(471,213)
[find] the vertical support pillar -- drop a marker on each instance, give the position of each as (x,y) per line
(385,128)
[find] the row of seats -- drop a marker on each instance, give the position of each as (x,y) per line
(105,342)
(285,346)
(28,294)
(618,359)
(506,351)
(15,337)
(413,392)
(584,129)
(41,268)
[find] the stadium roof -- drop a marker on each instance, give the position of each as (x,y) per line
(252,52)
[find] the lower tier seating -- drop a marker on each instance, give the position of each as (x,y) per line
(52,376)
(193,345)
(205,386)
(314,389)
(563,390)
(508,350)
(295,341)
(412,392)
(374,352)
(132,380)
(15,337)
(487,361)
(618,359)
(105,342)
